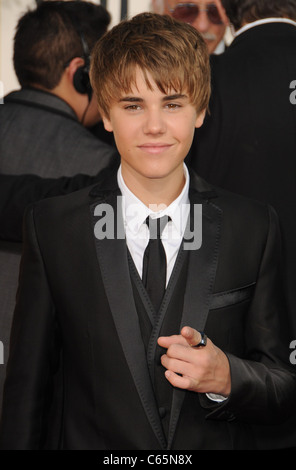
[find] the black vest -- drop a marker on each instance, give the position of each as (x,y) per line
(168,323)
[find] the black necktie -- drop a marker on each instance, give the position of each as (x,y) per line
(154,262)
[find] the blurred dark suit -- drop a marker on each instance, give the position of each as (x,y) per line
(39,134)
(248,143)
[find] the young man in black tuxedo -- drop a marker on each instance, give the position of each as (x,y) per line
(107,353)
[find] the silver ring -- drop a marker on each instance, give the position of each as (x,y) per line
(203,341)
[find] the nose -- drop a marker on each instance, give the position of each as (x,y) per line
(202,22)
(154,123)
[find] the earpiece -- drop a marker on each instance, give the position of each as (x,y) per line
(81,79)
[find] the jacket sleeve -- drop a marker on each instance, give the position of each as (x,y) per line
(19,191)
(264,381)
(33,352)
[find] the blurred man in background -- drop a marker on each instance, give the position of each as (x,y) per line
(52,47)
(208,17)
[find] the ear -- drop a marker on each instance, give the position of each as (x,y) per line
(222,12)
(107,124)
(73,66)
(200,119)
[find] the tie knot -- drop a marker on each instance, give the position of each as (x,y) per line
(156,226)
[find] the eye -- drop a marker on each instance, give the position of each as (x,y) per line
(172,106)
(133,107)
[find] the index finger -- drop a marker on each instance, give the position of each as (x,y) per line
(192,336)
(167,341)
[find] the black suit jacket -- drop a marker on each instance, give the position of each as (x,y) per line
(40,134)
(76,331)
(248,142)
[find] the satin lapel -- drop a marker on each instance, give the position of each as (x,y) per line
(200,283)
(113,262)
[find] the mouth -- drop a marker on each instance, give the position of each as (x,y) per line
(208,37)
(154,149)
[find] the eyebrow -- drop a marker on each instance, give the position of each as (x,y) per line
(135,99)
(177,96)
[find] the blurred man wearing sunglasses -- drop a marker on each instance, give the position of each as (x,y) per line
(208,17)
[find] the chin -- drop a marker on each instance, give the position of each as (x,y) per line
(159,172)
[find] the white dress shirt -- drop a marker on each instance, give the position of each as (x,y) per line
(220,48)
(135,213)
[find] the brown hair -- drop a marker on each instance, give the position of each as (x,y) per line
(247,11)
(49,36)
(172,52)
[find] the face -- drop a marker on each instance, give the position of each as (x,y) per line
(212,33)
(153,131)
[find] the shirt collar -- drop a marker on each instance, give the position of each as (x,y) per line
(220,48)
(135,211)
(264,21)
